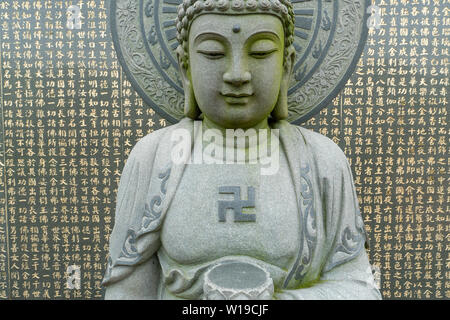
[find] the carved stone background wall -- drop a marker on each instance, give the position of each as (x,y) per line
(69,119)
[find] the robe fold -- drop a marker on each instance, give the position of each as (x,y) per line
(331,262)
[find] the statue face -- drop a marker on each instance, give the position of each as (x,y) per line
(236,67)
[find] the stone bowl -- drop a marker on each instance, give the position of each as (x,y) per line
(237,281)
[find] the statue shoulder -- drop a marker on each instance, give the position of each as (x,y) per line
(146,146)
(324,151)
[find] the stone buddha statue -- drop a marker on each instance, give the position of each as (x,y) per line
(298,221)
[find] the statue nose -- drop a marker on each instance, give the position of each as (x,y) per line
(237,75)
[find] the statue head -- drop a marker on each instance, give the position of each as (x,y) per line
(236,59)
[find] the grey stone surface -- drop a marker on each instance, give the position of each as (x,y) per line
(175,221)
(313,248)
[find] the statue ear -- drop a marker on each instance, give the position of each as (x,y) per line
(191,109)
(281,112)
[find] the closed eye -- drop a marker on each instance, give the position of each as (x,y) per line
(262,54)
(212,54)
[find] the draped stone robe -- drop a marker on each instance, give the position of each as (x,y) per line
(331,262)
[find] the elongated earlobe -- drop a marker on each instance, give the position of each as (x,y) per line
(281,110)
(191,109)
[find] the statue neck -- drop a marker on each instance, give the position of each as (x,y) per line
(251,150)
(209,124)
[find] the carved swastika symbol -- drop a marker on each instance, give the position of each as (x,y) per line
(237,204)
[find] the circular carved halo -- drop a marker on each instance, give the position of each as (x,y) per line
(329,38)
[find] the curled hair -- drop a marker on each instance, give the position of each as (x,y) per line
(190,9)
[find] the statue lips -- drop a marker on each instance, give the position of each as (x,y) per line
(236,98)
